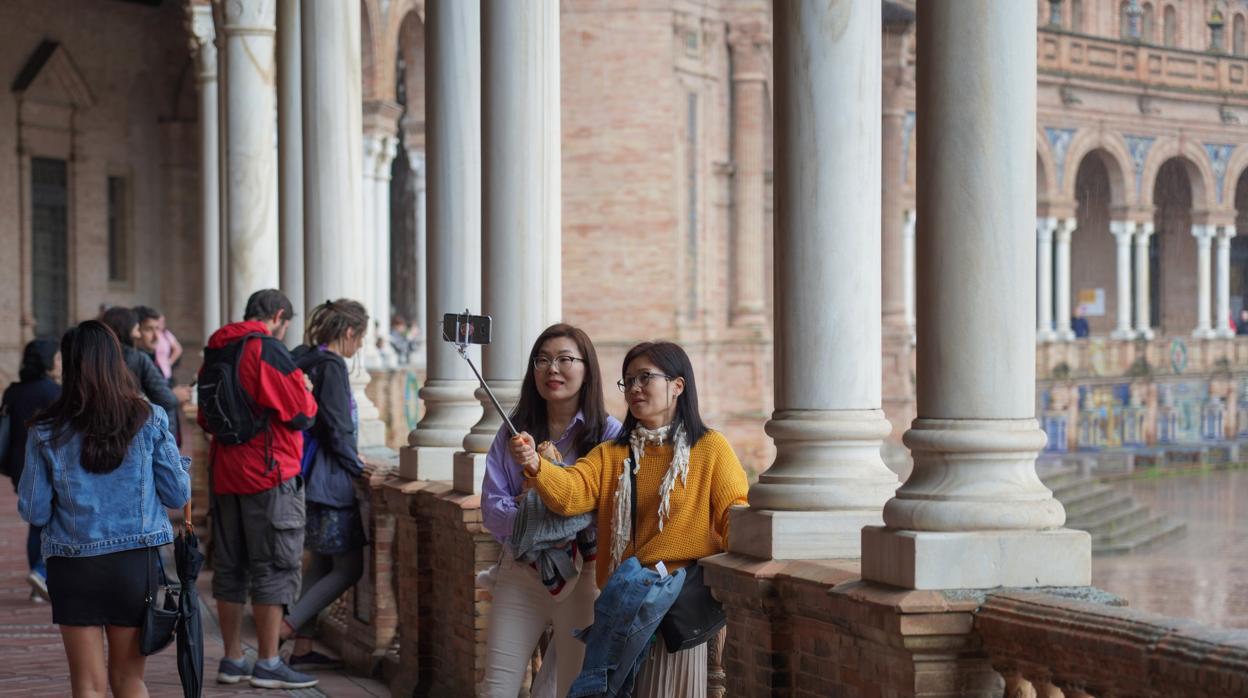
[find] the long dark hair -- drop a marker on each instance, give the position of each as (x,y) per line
(121,321)
(37,360)
(530,412)
(669,358)
(99,398)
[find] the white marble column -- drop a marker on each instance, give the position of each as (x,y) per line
(371,146)
(251,153)
(828,479)
(453,150)
(907,250)
(380,272)
(1061,238)
(1204,262)
(973,513)
(521,201)
(749,45)
(332,152)
(223,190)
(1044,279)
(1123,232)
(290,163)
(1222,323)
(1143,289)
(333,260)
(209,158)
(417,160)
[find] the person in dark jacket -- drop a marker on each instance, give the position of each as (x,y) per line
(334,534)
(125,324)
(38,386)
(258,496)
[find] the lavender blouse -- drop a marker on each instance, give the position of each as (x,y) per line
(504,478)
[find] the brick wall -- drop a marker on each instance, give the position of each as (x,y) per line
(803,629)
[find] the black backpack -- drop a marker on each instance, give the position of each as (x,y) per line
(231,415)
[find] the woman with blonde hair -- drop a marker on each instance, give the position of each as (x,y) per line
(334,533)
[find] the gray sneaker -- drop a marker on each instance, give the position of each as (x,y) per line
(233,671)
(281,677)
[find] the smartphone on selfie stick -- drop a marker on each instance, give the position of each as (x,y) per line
(463,329)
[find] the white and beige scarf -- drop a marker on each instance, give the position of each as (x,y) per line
(622,522)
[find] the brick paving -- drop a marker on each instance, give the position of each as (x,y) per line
(32,660)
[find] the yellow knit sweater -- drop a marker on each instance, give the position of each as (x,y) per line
(699,508)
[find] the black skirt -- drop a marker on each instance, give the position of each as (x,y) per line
(102,589)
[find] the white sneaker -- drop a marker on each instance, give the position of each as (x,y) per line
(39,585)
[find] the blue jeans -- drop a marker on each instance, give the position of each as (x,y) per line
(34,557)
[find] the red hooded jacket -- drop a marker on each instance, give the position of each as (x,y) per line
(269,376)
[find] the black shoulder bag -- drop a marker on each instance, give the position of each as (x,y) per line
(159,623)
(696,616)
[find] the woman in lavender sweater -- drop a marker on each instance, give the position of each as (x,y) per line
(561,405)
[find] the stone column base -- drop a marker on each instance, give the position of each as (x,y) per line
(469,471)
(976,560)
(798,535)
(427,462)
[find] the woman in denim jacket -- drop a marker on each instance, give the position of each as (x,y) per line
(101,466)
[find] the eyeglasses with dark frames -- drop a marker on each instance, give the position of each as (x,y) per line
(563,361)
(641,379)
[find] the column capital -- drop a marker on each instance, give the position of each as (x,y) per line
(1064,229)
(1123,231)
(1045,228)
(1203,232)
(1143,231)
(1226,232)
(248,16)
(203,33)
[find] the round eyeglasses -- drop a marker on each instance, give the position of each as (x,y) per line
(641,379)
(564,362)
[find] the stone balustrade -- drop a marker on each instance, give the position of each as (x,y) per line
(1097,357)
(1065,53)
(1050,647)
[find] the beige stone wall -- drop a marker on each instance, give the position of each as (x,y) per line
(133,64)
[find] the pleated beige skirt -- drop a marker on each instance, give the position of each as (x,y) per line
(680,675)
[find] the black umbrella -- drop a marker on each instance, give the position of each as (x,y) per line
(189,561)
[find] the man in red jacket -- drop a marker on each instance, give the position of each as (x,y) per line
(257,496)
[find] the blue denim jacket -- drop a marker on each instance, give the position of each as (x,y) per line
(85,514)
(626,615)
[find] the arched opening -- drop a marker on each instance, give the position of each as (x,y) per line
(1124,20)
(1146,24)
(1239,248)
(1170,27)
(1173,285)
(406,210)
(368,64)
(1093,286)
(1076,15)
(1237,35)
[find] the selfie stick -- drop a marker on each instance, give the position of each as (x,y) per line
(461,344)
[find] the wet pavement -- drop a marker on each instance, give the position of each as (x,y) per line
(1202,574)
(32,659)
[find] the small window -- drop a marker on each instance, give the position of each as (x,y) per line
(691,42)
(118,229)
(1170,27)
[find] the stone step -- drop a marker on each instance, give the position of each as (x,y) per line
(1088,496)
(1155,531)
(1087,508)
(1105,524)
(1060,476)
(1085,518)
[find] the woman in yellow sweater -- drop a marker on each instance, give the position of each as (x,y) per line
(687,477)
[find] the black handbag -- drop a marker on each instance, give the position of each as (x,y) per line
(696,616)
(160,620)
